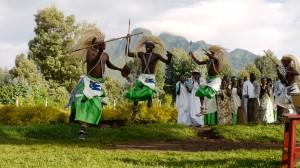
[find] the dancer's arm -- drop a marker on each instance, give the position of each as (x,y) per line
(196,60)
(166,61)
(111,65)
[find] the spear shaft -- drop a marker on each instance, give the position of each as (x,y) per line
(110,40)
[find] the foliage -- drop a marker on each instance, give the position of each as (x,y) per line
(266,66)
(11,114)
(26,69)
(3,76)
(160,78)
(161,112)
(113,90)
(18,87)
(54,34)
(250,68)
(226,71)
(180,65)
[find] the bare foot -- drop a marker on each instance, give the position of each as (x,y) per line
(202,112)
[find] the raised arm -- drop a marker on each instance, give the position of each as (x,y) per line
(196,60)
(112,66)
(167,61)
(292,71)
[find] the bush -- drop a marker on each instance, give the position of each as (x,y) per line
(11,114)
(161,113)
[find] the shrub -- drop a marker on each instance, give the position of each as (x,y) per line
(161,113)
(11,114)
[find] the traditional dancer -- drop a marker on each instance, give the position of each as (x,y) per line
(278,91)
(87,97)
(289,74)
(215,63)
(149,50)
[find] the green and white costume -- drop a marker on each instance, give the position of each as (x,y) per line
(86,100)
(211,88)
(144,88)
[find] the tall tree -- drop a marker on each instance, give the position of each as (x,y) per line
(27,69)
(265,64)
(250,68)
(54,34)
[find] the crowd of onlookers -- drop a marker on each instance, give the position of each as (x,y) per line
(239,101)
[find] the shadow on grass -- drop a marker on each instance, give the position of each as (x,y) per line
(68,134)
(163,137)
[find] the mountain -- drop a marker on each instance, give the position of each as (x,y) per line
(238,58)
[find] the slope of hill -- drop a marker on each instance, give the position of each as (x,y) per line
(238,58)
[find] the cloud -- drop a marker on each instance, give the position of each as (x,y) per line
(8,52)
(249,24)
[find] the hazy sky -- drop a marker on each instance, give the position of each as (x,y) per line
(249,24)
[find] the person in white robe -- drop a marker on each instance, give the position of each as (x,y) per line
(182,102)
(194,104)
(236,99)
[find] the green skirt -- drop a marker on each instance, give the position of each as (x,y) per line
(210,119)
(87,110)
(205,91)
(140,92)
(234,118)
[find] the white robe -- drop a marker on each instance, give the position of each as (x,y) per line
(269,111)
(195,105)
(182,104)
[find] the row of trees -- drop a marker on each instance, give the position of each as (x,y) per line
(46,73)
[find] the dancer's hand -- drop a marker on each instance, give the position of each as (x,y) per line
(169,54)
(128,37)
(125,71)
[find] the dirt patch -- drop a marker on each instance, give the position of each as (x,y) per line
(206,141)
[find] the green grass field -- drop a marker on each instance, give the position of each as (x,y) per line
(57,146)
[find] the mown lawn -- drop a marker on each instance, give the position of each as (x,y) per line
(57,146)
(68,133)
(252,133)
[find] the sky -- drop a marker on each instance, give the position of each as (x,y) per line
(254,25)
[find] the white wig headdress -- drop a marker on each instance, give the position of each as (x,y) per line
(294,64)
(219,54)
(85,39)
(159,47)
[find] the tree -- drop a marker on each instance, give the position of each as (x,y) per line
(181,64)
(226,71)
(18,87)
(27,69)
(265,64)
(250,68)
(113,89)
(54,34)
